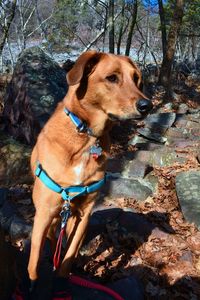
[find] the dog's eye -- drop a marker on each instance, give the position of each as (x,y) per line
(112,78)
(136,78)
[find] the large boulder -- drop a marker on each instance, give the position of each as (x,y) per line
(14,162)
(37,85)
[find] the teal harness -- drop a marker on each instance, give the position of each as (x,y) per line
(78,190)
(71,192)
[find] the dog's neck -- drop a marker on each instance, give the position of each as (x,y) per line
(95,119)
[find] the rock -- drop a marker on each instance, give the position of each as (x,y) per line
(161,157)
(152,135)
(194,110)
(115,166)
(164,120)
(175,133)
(10,222)
(156,125)
(188,121)
(136,169)
(126,188)
(181,122)
(183,143)
(37,85)
(183,108)
(143,143)
(152,181)
(14,162)
(168,107)
(195,117)
(168,158)
(127,168)
(187,188)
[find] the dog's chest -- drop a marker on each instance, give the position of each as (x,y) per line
(84,168)
(78,170)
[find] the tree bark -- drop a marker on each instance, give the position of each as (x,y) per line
(111,26)
(165,72)
(132,25)
(7,22)
(163,26)
(121,29)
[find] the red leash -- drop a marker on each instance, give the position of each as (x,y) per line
(91,285)
(56,258)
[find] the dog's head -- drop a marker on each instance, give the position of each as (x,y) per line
(111,83)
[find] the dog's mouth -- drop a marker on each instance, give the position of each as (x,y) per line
(115,118)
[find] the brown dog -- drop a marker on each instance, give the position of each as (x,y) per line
(102,88)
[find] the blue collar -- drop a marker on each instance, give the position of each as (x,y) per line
(65,191)
(80,125)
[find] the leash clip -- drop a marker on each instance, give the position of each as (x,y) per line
(65,213)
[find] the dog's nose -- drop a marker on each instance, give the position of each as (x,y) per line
(144,106)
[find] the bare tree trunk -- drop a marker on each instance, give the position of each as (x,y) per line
(9,16)
(165,72)
(121,29)
(111,26)
(163,26)
(146,45)
(132,25)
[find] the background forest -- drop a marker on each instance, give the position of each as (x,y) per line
(150,31)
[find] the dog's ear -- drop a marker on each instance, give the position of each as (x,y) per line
(84,65)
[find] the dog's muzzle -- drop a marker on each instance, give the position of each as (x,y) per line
(144,106)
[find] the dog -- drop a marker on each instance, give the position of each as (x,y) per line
(73,146)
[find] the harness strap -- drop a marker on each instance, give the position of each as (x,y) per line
(65,191)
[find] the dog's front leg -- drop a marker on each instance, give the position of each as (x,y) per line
(47,205)
(41,225)
(76,233)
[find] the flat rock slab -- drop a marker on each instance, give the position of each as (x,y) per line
(164,120)
(143,143)
(126,188)
(151,134)
(161,158)
(128,168)
(188,192)
(156,125)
